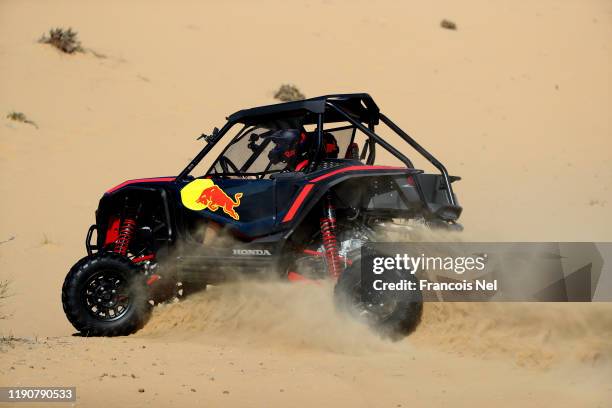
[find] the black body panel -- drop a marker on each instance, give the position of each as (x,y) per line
(230,222)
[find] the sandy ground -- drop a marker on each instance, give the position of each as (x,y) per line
(517,101)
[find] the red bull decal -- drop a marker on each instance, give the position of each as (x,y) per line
(203,194)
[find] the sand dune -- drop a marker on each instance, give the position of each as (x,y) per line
(517,101)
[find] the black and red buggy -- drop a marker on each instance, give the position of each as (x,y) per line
(296,189)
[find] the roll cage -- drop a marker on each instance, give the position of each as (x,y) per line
(359,110)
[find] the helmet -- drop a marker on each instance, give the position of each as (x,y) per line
(287,145)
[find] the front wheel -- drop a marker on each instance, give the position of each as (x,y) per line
(392,314)
(106,295)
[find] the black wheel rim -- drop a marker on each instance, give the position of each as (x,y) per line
(373,307)
(106,295)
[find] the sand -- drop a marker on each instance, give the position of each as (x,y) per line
(517,101)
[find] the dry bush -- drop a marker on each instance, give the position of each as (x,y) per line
(288,93)
(11,341)
(4,293)
(46,240)
(64,40)
(449,25)
(21,117)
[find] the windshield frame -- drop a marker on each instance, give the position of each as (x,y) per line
(251,159)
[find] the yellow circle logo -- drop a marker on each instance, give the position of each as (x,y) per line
(191,193)
(204,193)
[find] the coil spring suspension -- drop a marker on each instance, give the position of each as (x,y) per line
(328,234)
(126,232)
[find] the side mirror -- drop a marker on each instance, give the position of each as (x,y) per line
(210,138)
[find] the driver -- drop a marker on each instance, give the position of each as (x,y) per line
(292,147)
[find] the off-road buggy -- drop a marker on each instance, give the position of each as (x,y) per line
(295,192)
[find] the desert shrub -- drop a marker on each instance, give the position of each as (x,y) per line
(46,240)
(64,40)
(21,117)
(4,293)
(288,93)
(449,25)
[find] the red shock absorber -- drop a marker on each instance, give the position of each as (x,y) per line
(330,244)
(125,234)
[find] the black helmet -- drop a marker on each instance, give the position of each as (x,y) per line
(287,141)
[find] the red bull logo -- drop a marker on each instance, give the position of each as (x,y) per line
(214,198)
(205,194)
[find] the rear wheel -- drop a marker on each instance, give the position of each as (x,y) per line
(392,314)
(106,295)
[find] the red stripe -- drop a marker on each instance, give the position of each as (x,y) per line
(355,168)
(145,180)
(298,202)
(301,165)
(306,189)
